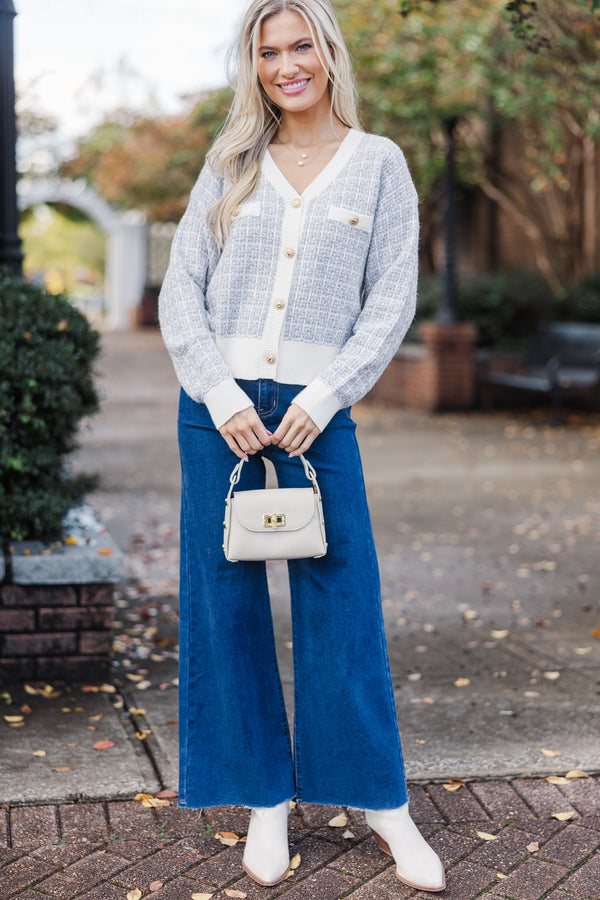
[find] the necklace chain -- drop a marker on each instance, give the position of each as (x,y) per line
(304,157)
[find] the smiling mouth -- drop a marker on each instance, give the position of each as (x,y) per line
(293,87)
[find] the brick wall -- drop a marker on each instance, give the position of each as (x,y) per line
(438,374)
(58,632)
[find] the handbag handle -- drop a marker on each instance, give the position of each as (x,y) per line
(308,471)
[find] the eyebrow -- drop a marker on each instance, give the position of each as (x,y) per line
(303,40)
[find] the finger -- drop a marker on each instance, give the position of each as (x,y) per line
(306,444)
(234,448)
(288,438)
(253,425)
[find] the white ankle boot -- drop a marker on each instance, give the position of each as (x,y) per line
(417,865)
(266,855)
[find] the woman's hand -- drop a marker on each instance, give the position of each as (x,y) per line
(296,431)
(245,433)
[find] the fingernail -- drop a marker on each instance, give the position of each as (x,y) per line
(245,457)
(290,455)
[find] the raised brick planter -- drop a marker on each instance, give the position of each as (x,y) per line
(437,374)
(56,607)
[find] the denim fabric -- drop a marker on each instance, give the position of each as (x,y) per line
(234,740)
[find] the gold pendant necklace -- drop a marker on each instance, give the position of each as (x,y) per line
(304,157)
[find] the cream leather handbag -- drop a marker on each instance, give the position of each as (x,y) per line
(274,523)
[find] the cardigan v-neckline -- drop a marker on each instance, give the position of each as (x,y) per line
(327,174)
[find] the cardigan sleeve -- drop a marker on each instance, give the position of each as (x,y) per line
(390,288)
(183,316)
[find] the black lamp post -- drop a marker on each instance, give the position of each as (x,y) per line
(10,243)
(448,312)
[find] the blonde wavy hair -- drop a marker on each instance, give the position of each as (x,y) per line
(253,119)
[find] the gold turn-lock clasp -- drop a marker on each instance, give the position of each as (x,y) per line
(274,520)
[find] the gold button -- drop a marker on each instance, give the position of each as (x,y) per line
(353,220)
(235,211)
(289,252)
(297,203)
(279,304)
(270,358)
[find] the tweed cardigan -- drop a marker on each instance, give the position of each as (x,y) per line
(314,289)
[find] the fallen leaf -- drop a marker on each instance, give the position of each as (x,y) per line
(96,718)
(348,834)
(295,862)
(552,752)
(62,768)
(155,802)
(428,700)
(487,837)
(13,719)
(143,685)
(499,634)
(202,896)
(563,816)
(136,894)
(552,676)
(31,690)
(26,709)
(557,779)
(501,876)
(107,689)
(240,894)
(103,745)
(577,773)
(338,821)
(462,682)
(533,847)
(155,885)
(104,551)
(137,711)
(143,797)
(227,837)
(452,786)
(596,633)
(167,795)
(39,752)
(16,725)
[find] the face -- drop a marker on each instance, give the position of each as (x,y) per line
(289,67)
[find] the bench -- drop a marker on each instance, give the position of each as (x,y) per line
(562,359)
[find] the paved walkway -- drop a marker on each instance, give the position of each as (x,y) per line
(487,529)
(498,840)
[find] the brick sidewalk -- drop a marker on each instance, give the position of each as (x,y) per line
(102,851)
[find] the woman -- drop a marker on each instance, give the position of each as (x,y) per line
(291,283)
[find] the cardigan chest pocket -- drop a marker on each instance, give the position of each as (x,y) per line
(351,217)
(249,208)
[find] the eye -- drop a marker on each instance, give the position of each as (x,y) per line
(268,54)
(304,46)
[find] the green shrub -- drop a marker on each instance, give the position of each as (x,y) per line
(505,306)
(47,353)
(580,302)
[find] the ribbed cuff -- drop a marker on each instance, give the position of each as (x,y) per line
(319,402)
(225,400)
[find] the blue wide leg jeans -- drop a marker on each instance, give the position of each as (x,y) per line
(235,744)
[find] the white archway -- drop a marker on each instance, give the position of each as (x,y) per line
(125,275)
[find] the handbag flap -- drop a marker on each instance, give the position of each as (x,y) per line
(264,510)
